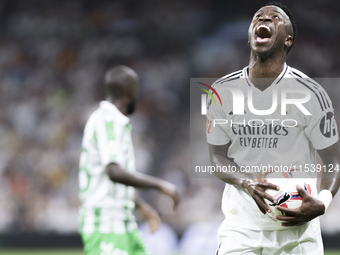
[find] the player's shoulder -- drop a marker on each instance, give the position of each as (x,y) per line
(108,112)
(94,116)
(304,79)
(319,94)
(295,73)
(229,77)
(91,124)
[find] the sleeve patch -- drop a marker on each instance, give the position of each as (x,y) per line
(328,125)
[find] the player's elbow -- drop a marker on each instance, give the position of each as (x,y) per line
(114,172)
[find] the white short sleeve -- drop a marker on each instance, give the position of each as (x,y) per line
(321,126)
(216,134)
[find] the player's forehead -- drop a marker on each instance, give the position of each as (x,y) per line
(271,9)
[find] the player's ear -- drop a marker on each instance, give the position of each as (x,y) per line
(289,41)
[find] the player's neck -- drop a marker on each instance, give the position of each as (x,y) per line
(120,105)
(268,69)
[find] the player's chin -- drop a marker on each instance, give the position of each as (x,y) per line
(262,49)
(273,45)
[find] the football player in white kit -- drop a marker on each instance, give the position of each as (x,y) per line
(290,139)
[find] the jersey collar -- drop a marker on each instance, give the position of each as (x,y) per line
(276,81)
(112,108)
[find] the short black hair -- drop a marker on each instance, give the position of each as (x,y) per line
(291,18)
(118,80)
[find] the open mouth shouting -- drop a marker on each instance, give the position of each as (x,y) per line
(263,33)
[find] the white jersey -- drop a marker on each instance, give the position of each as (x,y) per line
(271,140)
(107,207)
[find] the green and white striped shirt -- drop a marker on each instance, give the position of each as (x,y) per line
(107,207)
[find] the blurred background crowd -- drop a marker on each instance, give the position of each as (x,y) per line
(53,55)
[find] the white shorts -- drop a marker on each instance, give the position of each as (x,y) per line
(305,239)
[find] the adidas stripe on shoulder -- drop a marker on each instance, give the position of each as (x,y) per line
(317,89)
(229,77)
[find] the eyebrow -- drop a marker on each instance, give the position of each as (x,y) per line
(273,11)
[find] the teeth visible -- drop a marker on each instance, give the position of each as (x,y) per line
(264,26)
(262,40)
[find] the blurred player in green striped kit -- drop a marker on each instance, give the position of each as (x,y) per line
(107,174)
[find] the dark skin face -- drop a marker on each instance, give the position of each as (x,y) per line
(122,84)
(269,36)
(126,85)
(132,99)
(279,37)
(267,61)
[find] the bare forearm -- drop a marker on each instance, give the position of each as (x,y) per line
(144,181)
(248,181)
(137,180)
(331,177)
(148,213)
(140,202)
(233,175)
(142,205)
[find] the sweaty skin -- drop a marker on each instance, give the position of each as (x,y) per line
(270,35)
(267,59)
